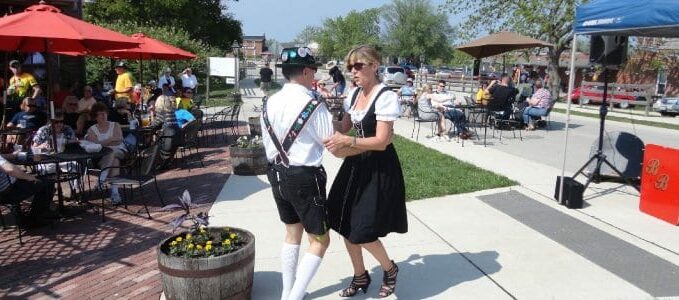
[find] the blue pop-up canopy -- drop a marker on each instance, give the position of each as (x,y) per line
(649,18)
(653,18)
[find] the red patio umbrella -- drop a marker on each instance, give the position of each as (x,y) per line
(149,48)
(43,28)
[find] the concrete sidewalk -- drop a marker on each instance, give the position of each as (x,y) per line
(495,244)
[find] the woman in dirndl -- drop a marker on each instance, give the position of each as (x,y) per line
(367,198)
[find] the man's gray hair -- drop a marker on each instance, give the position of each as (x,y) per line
(538,83)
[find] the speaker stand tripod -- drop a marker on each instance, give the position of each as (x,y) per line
(599,156)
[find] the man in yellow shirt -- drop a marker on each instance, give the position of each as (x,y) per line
(483,96)
(19,86)
(124,82)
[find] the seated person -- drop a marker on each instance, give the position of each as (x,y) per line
(538,104)
(29,117)
(85,104)
(43,141)
(482,95)
(70,111)
(426,112)
(185,101)
(183,117)
(43,138)
(407,94)
(503,96)
(17,185)
(445,103)
(166,121)
(108,134)
(121,113)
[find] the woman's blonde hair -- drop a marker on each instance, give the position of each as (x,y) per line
(363,53)
(426,88)
(165,104)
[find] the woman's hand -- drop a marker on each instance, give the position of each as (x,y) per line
(336,142)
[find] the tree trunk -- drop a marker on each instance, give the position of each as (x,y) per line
(554,84)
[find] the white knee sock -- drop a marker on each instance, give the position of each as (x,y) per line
(305,271)
(289,254)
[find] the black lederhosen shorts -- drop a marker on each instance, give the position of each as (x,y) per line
(300,196)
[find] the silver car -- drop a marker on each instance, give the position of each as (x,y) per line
(667,106)
(393,75)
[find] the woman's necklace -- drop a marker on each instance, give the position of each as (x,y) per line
(364,97)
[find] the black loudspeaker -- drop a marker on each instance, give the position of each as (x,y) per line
(623,150)
(610,50)
(476,70)
(572,192)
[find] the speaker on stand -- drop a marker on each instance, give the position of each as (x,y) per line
(610,52)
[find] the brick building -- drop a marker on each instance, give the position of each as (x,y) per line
(254,45)
(654,61)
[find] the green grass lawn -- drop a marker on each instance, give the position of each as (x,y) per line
(620,119)
(429,173)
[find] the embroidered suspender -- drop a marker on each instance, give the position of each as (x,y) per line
(293,132)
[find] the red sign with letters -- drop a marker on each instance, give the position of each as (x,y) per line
(660,183)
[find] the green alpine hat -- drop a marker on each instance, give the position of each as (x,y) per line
(297,56)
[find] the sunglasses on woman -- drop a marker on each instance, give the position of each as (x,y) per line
(356,66)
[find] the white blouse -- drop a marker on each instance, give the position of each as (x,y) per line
(386,108)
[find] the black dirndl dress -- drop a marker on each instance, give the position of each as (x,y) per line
(367,198)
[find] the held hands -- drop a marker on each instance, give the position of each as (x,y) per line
(337,142)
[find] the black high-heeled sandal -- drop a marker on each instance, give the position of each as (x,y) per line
(358,283)
(389,281)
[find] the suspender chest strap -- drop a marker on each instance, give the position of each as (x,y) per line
(293,132)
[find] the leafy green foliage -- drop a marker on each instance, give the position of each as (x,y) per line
(338,35)
(429,173)
(307,35)
(415,29)
(204,20)
(550,21)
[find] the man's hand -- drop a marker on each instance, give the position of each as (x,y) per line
(336,142)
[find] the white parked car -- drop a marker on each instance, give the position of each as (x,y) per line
(667,106)
(393,75)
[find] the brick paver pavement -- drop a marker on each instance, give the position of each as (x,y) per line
(83,258)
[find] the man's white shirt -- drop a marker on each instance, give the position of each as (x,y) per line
(283,109)
(189,81)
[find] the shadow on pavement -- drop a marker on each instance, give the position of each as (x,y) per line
(425,276)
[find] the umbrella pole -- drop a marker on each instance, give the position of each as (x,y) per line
(571,83)
(4,93)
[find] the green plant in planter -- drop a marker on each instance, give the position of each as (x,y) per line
(249,142)
(198,242)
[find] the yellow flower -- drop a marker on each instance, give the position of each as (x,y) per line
(226,242)
(209,243)
(190,246)
(188,236)
(208,247)
(201,229)
(233,236)
(199,247)
(173,243)
(179,239)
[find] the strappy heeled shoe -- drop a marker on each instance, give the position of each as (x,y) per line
(389,281)
(358,283)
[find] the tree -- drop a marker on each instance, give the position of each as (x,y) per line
(415,29)
(205,20)
(307,35)
(337,36)
(551,21)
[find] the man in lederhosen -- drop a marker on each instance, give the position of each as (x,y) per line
(294,127)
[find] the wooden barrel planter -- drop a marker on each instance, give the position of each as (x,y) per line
(248,161)
(228,276)
(255,126)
